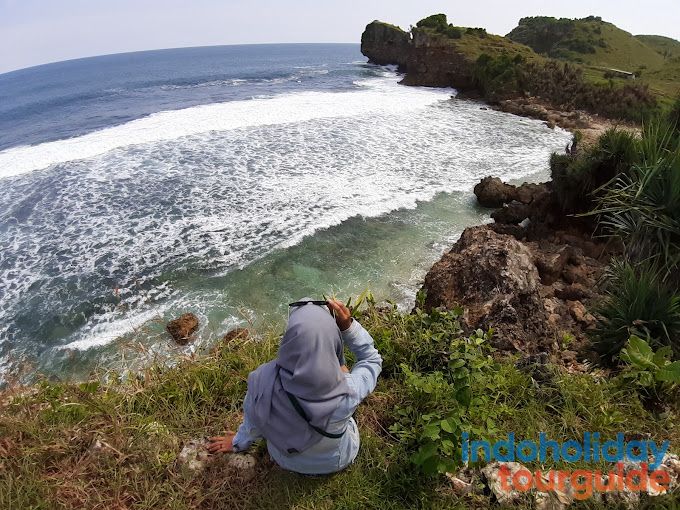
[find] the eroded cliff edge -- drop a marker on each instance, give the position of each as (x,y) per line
(428,58)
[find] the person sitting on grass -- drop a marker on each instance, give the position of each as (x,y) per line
(302,402)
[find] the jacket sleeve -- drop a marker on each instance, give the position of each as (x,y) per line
(364,374)
(247,433)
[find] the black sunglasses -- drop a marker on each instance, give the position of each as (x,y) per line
(303,303)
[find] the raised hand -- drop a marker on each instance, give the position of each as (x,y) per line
(343,317)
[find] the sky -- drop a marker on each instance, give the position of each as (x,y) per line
(35,32)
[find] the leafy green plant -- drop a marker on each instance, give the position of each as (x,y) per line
(642,206)
(648,369)
(496,77)
(435,21)
(637,303)
(439,24)
(577,181)
(444,403)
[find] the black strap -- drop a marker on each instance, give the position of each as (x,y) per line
(302,413)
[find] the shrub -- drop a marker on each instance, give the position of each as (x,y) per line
(479,32)
(395,335)
(578,45)
(453,32)
(641,207)
(651,371)
(439,405)
(436,21)
(563,85)
(638,302)
(542,33)
(577,180)
(496,77)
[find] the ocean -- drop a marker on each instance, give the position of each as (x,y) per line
(225,181)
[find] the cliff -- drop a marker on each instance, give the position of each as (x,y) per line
(434,56)
(386,44)
(436,53)
(426,59)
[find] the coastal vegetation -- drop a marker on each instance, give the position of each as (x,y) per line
(585,64)
(628,186)
(563,85)
(600,47)
(115,442)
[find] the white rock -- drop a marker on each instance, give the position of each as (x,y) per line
(244,464)
(194,455)
(492,473)
(459,486)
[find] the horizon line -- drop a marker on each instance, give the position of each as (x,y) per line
(74,59)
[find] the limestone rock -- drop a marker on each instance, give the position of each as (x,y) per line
(194,456)
(244,464)
(575,274)
(385,44)
(495,278)
(236,334)
(428,59)
(573,292)
(492,192)
(580,314)
(492,473)
(511,213)
(551,264)
(183,328)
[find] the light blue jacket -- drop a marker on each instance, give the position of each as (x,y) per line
(328,455)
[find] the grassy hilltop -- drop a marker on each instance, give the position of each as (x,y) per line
(568,63)
(599,45)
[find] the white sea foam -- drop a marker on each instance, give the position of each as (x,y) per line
(213,188)
(104,333)
(376,96)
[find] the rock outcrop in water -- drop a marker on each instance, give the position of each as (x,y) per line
(492,192)
(427,59)
(183,328)
(386,44)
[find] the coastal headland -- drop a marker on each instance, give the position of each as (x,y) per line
(560,320)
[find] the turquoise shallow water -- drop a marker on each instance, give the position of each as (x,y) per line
(240,189)
(389,255)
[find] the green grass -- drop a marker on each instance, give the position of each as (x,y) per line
(472,46)
(47,432)
(665,46)
(589,41)
(599,45)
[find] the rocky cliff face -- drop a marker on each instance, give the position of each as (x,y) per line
(428,60)
(386,44)
(530,282)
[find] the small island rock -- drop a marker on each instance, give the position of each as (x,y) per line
(183,328)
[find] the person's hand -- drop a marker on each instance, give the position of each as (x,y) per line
(343,317)
(222,444)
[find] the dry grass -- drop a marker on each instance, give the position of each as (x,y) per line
(114,445)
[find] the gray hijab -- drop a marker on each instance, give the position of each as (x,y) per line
(307,366)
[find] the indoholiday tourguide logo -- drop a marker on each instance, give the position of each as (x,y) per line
(635,463)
